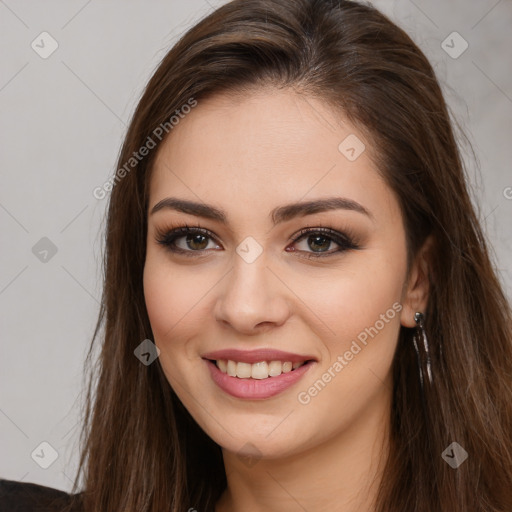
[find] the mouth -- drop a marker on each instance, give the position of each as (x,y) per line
(256,374)
(259,370)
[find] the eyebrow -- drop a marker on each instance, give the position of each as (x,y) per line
(278,215)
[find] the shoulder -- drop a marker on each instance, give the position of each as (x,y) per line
(29,497)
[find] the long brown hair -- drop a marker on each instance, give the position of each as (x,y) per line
(140,448)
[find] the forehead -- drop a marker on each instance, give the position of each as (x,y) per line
(270,147)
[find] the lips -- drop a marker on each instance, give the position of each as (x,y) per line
(258,385)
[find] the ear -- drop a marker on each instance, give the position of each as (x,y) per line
(416,288)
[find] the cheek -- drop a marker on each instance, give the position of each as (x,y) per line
(360,321)
(170,294)
(346,302)
(363,310)
(175,298)
(169,304)
(162,301)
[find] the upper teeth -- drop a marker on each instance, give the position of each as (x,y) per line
(260,370)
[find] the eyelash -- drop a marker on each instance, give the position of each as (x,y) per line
(168,237)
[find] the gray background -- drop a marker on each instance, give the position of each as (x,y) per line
(62,122)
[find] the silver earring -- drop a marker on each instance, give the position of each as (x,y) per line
(420,338)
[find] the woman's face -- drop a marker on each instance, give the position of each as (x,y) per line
(253,281)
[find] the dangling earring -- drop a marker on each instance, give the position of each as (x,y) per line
(421,335)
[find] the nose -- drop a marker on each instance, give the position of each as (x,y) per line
(252,298)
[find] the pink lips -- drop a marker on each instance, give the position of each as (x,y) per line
(252,389)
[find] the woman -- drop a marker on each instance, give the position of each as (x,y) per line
(300,311)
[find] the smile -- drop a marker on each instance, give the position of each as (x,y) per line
(262,385)
(259,370)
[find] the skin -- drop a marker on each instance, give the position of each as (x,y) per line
(248,156)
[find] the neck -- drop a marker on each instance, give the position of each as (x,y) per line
(342,473)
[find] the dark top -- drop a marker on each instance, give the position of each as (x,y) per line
(28,497)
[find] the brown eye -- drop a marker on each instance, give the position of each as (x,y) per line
(318,240)
(195,240)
